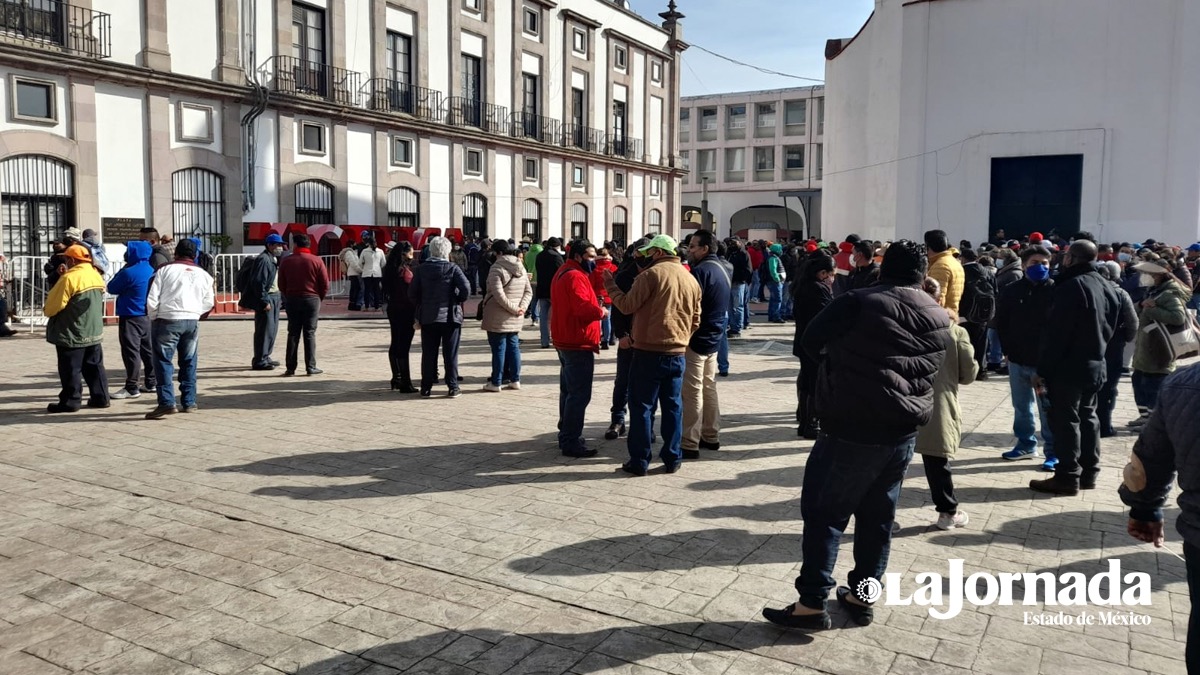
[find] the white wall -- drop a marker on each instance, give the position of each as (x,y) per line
(266,171)
(440,166)
(358,37)
(500,209)
(62,104)
(264,36)
(360,175)
(436,38)
(121,158)
(125,28)
(192,37)
(500,63)
(552,211)
(217,144)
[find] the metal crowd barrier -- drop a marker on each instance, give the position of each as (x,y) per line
(25,284)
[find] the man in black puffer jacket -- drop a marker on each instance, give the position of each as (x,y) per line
(882,345)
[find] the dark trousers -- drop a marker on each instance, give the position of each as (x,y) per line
(655,379)
(266,329)
(302,322)
(575,372)
(1192,654)
(806,386)
(1145,389)
(403,331)
(356,292)
(620,397)
(941,483)
(978,334)
(371,297)
(76,366)
(474,280)
(1076,429)
(444,336)
(1107,399)
(844,479)
(137,351)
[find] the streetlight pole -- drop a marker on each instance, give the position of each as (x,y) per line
(705,216)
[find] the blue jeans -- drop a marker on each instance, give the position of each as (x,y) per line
(738,309)
(1020,384)
(574,394)
(786,309)
(995,355)
(533,306)
(655,379)
(723,354)
(606,325)
(506,357)
(171,336)
(774,301)
(543,306)
(844,479)
(756,287)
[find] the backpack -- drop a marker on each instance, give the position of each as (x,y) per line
(245,275)
(764,269)
(979,297)
(205,261)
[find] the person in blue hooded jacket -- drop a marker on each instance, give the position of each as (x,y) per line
(131,285)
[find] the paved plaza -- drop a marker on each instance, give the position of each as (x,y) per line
(325,525)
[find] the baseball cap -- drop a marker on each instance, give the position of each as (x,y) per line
(663,241)
(274,239)
(77,252)
(390,245)
(74,233)
(1194,247)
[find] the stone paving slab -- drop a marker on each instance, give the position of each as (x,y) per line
(327,525)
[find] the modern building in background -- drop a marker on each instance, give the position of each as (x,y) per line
(506,118)
(1016,114)
(761,154)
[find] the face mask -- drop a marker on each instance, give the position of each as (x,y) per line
(589,266)
(276,252)
(457,248)
(1146,280)
(1037,272)
(1124,257)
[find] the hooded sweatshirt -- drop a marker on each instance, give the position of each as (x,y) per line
(132,283)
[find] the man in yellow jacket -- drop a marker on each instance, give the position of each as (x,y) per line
(945,268)
(75,307)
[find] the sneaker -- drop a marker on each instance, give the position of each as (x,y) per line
(148,390)
(491,387)
(315,371)
(189,408)
(615,431)
(949,521)
(1050,465)
(454,393)
(426,393)
(1139,422)
(122,394)
(514,386)
(1017,453)
(629,468)
(161,412)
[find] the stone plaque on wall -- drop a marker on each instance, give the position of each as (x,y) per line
(121,230)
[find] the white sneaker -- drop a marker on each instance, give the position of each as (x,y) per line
(949,521)
(491,387)
(515,386)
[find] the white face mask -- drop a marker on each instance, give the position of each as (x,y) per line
(1146,280)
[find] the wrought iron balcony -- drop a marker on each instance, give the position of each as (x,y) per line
(298,77)
(385,95)
(623,146)
(584,138)
(54,24)
(537,127)
(465,112)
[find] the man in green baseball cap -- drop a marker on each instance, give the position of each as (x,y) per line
(662,241)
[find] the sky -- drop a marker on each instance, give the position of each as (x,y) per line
(783,35)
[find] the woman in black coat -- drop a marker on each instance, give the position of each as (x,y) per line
(401,313)
(813,291)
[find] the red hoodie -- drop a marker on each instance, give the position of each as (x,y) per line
(756,256)
(575,315)
(597,278)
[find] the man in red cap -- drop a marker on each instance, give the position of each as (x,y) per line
(1036,238)
(75,307)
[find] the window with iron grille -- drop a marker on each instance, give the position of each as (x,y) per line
(198,203)
(654,222)
(531,220)
(37,202)
(620,224)
(404,207)
(579,226)
(314,203)
(475,222)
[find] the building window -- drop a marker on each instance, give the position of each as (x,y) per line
(795,116)
(531,169)
(821,116)
(654,223)
(402,151)
(404,207)
(764,123)
(533,21)
(312,138)
(308,42)
(193,123)
(618,127)
(198,203)
(579,42)
(37,202)
(620,227)
(655,187)
(656,72)
(578,221)
(708,119)
(735,165)
(685,124)
(473,162)
(764,164)
(819,161)
(619,57)
(473,5)
(793,162)
(398,59)
(578,177)
(685,160)
(737,116)
(34,100)
(707,161)
(618,181)
(475,216)
(531,220)
(314,203)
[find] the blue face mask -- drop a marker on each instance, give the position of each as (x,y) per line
(589,266)
(1124,257)
(1037,272)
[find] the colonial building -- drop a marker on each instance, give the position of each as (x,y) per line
(761,154)
(508,118)
(976,115)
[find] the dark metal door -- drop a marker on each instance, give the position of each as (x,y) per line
(1036,194)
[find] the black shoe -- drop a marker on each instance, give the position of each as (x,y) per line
(614,432)
(809,432)
(580,452)
(275,363)
(1108,432)
(161,412)
(426,393)
(633,470)
(784,617)
(7,332)
(266,366)
(726,374)
(604,345)
(1056,486)
(189,408)
(862,616)
(705,445)
(690,454)
(454,393)
(98,404)
(289,373)
(982,376)
(60,408)
(1087,483)
(1002,370)
(734,334)
(315,371)
(670,468)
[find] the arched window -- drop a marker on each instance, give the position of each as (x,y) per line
(475,216)
(531,221)
(620,225)
(579,226)
(198,204)
(314,203)
(404,207)
(37,202)
(654,223)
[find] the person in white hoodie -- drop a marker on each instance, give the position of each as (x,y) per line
(352,266)
(372,261)
(180,295)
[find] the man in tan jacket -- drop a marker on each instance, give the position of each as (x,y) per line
(664,302)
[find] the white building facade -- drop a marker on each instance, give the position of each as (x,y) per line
(505,118)
(1026,115)
(762,156)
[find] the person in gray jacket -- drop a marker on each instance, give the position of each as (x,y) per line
(439,289)
(1169,445)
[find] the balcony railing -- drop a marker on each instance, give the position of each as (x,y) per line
(50,23)
(583,138)
(465,112)
(384,95)
(307,78)
(537,127)
(623,146)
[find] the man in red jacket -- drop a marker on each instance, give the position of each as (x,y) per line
(575,329)
(303,282)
